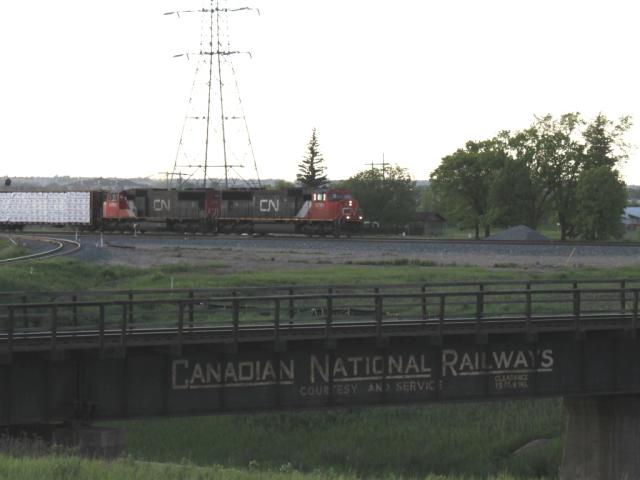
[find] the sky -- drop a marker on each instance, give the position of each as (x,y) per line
(93,88)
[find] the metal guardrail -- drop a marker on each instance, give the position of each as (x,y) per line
(234,318)
(290,290)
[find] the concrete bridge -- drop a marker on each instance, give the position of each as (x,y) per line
(88,356)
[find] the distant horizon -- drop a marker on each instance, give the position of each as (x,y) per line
(71,177)
(160,180)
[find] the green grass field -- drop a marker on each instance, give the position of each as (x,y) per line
(69,467)
(453,440)
(67,275)
(461,439)
(9,250)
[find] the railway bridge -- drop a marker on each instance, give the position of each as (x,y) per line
(87,356)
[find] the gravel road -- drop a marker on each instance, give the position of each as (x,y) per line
(244,253)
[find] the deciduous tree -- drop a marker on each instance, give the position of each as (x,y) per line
(601,197)
(464,179)
(524,176)
(386,196)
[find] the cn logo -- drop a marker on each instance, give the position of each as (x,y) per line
(161,205)
(267,205)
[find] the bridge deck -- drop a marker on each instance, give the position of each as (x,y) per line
(185,353)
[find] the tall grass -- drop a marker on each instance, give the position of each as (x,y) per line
(68,274)
(10,250)
(413,441)
(75,468)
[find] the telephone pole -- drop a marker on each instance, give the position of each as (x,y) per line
(384,166)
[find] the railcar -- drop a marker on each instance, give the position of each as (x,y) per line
(294,210)
(81,209)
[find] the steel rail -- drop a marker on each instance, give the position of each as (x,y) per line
(57,250)
(389,238)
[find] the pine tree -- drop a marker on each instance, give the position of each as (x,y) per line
(311,170)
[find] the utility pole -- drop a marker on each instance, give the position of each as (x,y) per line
(384,166)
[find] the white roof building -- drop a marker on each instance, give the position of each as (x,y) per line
(631,216)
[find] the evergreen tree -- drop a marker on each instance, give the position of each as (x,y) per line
(311,170)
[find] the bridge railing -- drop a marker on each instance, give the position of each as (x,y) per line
(132,295)
(235,318)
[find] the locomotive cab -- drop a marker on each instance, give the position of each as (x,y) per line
(117,205)
(346,206)
(337,206)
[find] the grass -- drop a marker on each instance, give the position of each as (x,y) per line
(410,442)
(68,274)
(75,468)
(9,249)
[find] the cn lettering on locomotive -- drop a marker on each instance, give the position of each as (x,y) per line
(267,205)
(161,205)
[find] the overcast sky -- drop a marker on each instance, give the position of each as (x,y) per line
(93,89)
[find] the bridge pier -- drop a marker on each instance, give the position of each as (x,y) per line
(603,438)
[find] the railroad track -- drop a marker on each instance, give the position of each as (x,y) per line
(58,247)
(358,237)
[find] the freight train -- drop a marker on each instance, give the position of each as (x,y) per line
(294,210)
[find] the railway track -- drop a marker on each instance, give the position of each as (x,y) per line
(354,237)
(56,247)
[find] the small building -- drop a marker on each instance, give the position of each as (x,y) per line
(427,223)
(631,218)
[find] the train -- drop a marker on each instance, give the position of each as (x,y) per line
(331,211)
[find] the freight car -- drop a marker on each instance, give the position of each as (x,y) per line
(292,210)
(78,208)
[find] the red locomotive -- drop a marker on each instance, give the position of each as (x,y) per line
(294,210)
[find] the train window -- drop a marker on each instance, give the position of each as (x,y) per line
(336,197)
(186,196)
(237,195)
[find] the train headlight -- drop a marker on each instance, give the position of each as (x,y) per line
(360,217)
(351,203)
(348,217)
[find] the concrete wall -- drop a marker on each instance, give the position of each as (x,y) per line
(603,438)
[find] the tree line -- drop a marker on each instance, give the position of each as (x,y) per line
(559,170)
(563,169)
